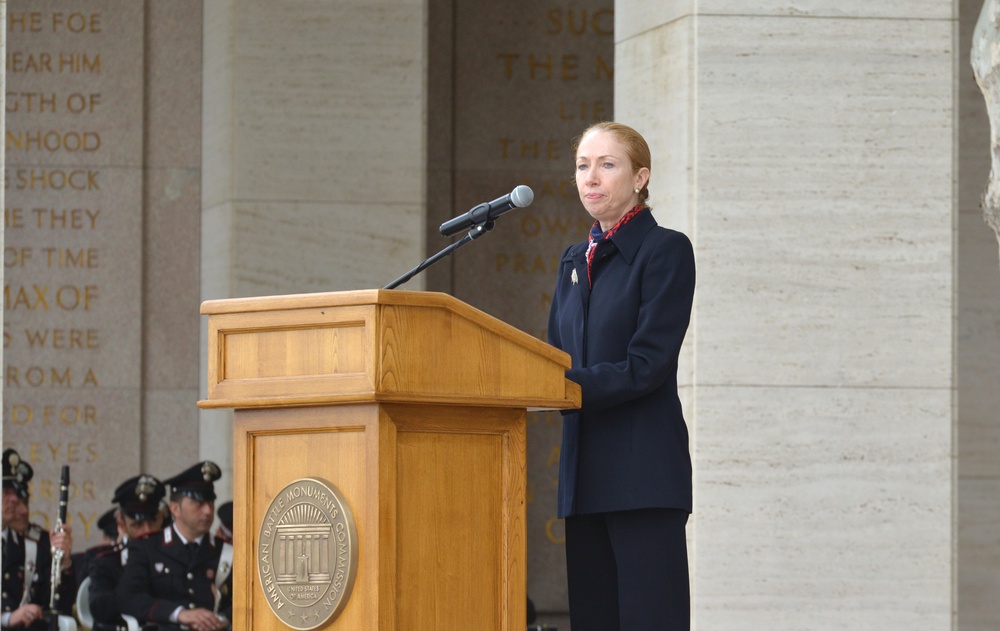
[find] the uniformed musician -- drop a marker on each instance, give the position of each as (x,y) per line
(138,514)
(109,536)
(169,578)
(27,555)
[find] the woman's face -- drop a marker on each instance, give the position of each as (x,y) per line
(604,178)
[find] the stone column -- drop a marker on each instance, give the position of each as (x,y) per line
(810,155)
(314,152)
(73,218)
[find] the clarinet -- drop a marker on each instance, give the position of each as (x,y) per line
(57,553)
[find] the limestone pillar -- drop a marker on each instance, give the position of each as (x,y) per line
(810,155)
(102,183)
(313,154)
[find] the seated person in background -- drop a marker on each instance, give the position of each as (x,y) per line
(224,571)
(169,578)
(138,515)
(27,555)
(109,536)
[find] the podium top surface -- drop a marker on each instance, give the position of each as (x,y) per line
(377,346)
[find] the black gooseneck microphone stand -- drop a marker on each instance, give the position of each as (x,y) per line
(474,233)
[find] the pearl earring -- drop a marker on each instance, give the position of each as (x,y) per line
(636,191)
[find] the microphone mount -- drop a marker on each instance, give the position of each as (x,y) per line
(474,233)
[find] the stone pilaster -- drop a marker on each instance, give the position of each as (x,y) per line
(811,160)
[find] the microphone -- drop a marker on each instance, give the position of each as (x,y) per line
(520,197)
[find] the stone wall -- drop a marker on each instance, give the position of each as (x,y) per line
(102,178)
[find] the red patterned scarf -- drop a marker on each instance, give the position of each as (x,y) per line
(596,236)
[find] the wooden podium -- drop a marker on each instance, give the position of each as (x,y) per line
(413,405)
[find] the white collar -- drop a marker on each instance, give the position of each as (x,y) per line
(183,539)
(10,534)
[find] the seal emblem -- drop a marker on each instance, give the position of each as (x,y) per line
(307,553)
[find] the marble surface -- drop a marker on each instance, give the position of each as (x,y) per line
(348,82)
(75,85)
(840,197)
(647,69)
(299,247)
(813,163)
(172,234)
(635,17)
(823,508)
(339,170)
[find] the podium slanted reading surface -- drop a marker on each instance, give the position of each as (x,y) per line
(413,405)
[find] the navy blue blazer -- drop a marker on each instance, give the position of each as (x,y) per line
(627,445)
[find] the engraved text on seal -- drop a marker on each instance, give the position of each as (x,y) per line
(307,553)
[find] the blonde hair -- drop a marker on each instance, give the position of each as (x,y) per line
(635,148)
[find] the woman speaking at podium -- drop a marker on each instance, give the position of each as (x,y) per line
(621,307)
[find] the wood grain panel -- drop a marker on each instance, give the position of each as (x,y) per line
(302,352)
(332,443)
(461,514)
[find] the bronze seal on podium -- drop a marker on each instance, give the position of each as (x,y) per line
(307,553)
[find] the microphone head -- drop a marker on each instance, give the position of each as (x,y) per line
(522,196)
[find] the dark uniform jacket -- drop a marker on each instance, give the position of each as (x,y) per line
(627,446)
(162,574)
(106,570)
(14,564)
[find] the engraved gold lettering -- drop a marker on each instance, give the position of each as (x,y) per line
(66,218)
(538,64)
(87,520)
(551,525)
(38,377)
(580,22)
(13,218)
(16,257)
(24,22)
(603,70)
(584,111)
(30,102)
(52,140)
(63,339)
(38,297)
(71,258)
(83,415)
(553,457)
(565,68)
(18,62)
(47,489)
(78,103)
(533,225)
(56,180)
(76,22)
(524,264)
(508,59)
